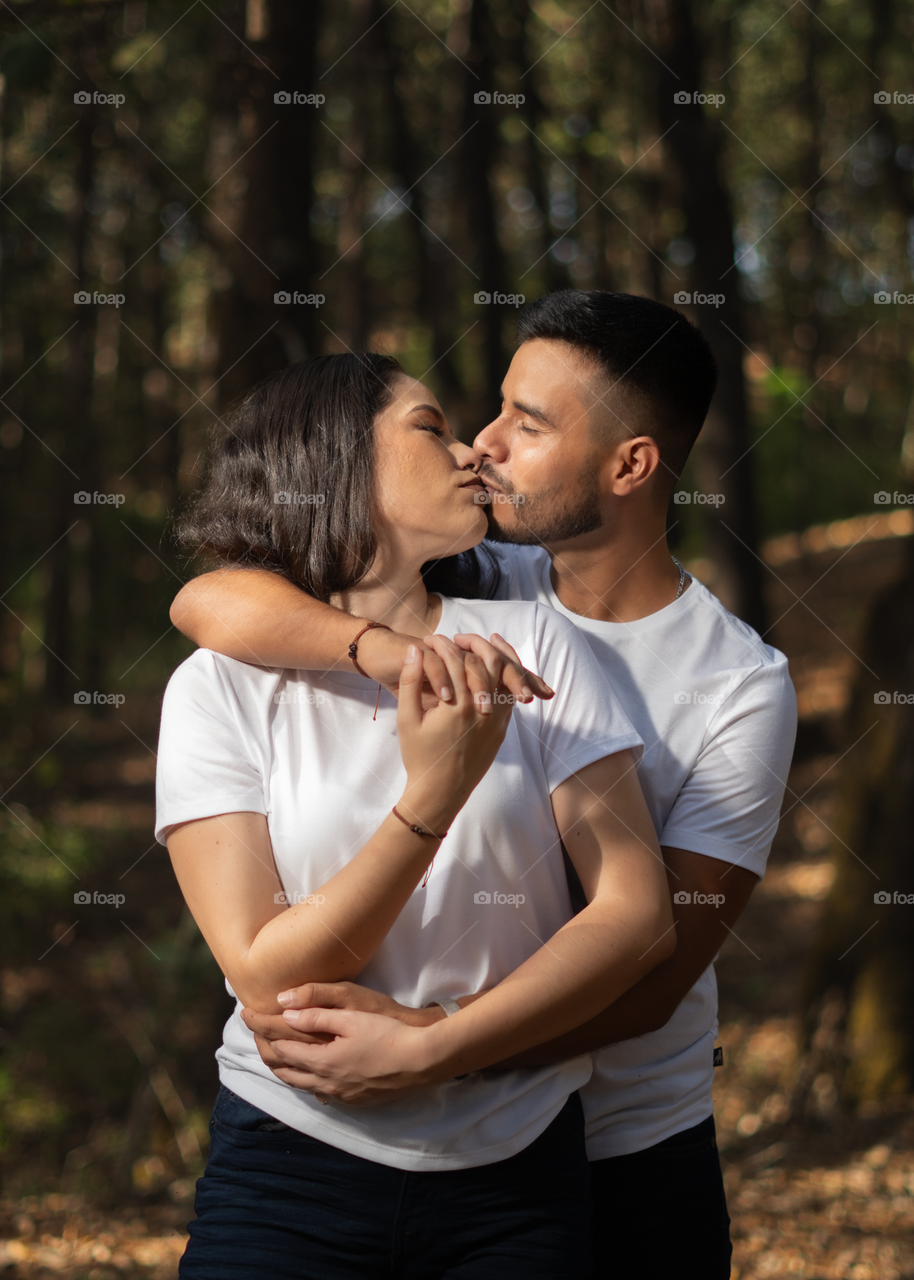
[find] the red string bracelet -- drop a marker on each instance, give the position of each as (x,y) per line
(353,653)
(420,831)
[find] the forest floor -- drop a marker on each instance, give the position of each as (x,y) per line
(824,1196)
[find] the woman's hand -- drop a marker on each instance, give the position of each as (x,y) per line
(356,1058)
(488,664)
(448,749)
(271,1027)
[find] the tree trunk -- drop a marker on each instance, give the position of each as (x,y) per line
(725,460)
(863,955)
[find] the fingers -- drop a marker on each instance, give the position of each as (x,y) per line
(516,677)
(436,675)
(469,678)
(409,705)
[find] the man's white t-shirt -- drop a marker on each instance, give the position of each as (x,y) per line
(716,709)
(302,749)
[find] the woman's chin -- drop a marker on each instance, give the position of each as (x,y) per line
(465,535)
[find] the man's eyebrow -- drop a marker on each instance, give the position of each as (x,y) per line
(532,412)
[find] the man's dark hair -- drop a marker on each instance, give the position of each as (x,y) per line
(290,484)
(642,344)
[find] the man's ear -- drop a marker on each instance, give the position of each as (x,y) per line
(634,463)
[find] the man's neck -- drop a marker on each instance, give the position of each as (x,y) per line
(615,579)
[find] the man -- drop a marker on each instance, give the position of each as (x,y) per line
(601,405)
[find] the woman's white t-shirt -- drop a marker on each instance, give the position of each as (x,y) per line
(301,748)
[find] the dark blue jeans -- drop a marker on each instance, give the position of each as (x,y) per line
(661,1214)
(274,1204)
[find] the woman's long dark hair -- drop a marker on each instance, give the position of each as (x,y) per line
(290,484)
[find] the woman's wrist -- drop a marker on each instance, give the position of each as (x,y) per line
(427,808)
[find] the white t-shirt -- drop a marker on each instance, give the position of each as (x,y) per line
(302,749)
(716,709)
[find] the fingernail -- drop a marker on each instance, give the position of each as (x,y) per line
(412,653)
(290,1015)
(285,997)
(445,695)
(528,693)
(484,702)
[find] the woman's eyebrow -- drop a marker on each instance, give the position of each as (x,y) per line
(428,408)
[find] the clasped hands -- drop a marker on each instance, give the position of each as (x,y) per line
(346,1043)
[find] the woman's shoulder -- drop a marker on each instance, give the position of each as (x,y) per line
(209,674)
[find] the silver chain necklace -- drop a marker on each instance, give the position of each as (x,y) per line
(682,575)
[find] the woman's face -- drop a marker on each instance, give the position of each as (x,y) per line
(428,498)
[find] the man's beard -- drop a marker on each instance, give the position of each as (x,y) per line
(546,519)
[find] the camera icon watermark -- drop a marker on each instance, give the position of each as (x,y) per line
(893,699)
(684,299)
(901,299)
(684,898)
(283,298)
(99,899)
(682,498)
(85,499)
(883,98)
(84,699)
(286,498)
(483,98)
(84,298)
(484,299)
(492,499)
(884,898)
(682,98)
(483,898)
(290,97)
(300,698)
(884,499)
(695,698)
(286,899)
(83,98)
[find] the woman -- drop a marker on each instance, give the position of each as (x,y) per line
(418,849)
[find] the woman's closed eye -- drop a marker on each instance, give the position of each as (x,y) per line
(433,427)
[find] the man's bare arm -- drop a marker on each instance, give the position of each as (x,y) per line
(259,617)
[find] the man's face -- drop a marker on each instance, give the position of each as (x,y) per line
(540,460)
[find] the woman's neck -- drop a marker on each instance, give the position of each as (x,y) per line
(401,602)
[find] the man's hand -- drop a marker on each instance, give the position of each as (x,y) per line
(359,1059)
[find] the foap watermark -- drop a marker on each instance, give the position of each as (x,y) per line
(483,898)
(902,299)
(682,98)
(885,499)
(285,498)
(683,898)
(293,98)
(894,699)
(83,98)
(294,299)
(86,499)
(883,98)
(96,699)
(491,499)
(484,299)
(883,898)
(684,299)
(83,896)
(286,899)
(483,98)
(299,698)
(683,498)
(497,699)
(695,698)
(85,299)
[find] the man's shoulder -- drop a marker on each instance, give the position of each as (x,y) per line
(738,645)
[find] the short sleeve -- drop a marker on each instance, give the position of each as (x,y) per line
(730,805)
(584,721)
(207,759)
